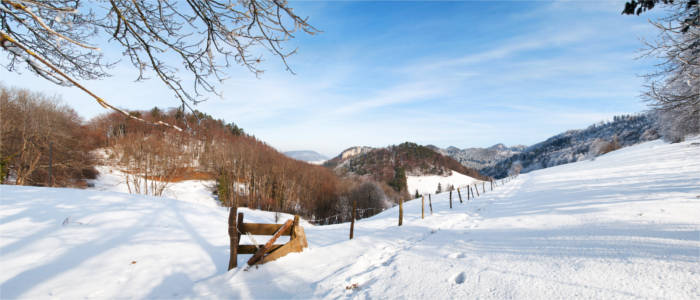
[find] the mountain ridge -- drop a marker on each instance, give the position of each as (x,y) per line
(579,144)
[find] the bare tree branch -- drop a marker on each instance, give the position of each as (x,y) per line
(158,37)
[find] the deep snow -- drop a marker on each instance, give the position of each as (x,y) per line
(625,225)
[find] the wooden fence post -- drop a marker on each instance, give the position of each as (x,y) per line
(492,184)
(352,223)
(476,188)
(468,189)
(430,203)
(422,207)
(460,196)
(450,199)
(483,187)
(400,211)
(233,238)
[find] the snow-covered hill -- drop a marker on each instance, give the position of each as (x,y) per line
(427,184)
(622,226)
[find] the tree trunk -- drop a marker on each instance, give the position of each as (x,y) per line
(50,180)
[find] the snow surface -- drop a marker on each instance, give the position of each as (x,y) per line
(195,191)
(625,225)
(427,184)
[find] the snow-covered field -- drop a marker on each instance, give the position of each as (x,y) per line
(195,191)
(427,184)
(626,225)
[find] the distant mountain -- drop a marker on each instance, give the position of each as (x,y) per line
(479,158)
(346,154)
(391,164)
(576,145)
(307,156)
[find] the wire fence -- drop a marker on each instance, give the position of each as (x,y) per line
(360,213)
(472,190)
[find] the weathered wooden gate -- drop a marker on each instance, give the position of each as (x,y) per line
(269,251)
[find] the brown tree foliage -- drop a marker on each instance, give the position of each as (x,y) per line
(248,172)
(41,137)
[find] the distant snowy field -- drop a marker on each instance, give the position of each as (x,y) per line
(625,225)
(427,184)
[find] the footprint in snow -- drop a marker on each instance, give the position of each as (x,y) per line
(459,278)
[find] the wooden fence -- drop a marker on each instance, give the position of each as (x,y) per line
(269,251)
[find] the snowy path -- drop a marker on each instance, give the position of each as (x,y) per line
(626,225)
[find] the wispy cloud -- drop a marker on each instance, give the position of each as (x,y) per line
(400,94)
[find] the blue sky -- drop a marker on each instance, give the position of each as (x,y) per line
(464,74)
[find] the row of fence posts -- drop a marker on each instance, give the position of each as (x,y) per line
(470,195)
(360,213)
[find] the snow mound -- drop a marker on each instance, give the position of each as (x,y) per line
(622,226)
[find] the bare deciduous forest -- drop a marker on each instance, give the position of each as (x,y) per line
(40,134)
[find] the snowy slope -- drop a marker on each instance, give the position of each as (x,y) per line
(625,225)
(196,191)
(69,243)
(427,184)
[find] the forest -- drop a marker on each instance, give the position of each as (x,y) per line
(46,143)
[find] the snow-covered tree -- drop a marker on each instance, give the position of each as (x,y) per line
(674,88)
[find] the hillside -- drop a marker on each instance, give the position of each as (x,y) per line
(578,145)
(244,170)
(627,228)
(392,164)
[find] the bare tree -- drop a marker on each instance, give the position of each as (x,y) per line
(41,141)
(57,39)
(674,89)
